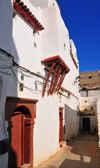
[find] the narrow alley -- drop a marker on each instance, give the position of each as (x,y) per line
(79,153)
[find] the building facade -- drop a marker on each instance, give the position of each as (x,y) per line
(39,71)
(89,94)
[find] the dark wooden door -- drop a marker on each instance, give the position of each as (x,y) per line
(16,141)
(60,127)
(86,123)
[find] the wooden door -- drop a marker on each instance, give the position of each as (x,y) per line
(60,126)
(16,141)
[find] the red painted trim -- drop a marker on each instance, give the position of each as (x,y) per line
(48,78)
(26,16)
(21,100)
(73,60)
(69,92)
(53,79)
(61,108)
(48,70)
(55,58)
(61,124)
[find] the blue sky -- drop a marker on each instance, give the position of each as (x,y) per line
(82,18)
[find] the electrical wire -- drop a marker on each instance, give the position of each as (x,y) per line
(23,69)
(32,90)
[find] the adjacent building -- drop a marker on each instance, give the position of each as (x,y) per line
(39,77)
(89,94)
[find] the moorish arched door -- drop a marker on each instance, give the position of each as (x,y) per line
(20,114)
(20,137)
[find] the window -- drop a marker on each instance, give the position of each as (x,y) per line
(90,77)
(35,45)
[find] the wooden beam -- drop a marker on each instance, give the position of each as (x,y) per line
(56,80)
(43,92)
(59,82)
(53,79)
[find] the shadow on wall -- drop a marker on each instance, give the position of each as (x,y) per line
(71,123)
(9,88)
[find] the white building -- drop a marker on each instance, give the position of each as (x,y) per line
(89,94)
(36,58)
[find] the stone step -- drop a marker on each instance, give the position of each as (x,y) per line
(25,166)
(62,144)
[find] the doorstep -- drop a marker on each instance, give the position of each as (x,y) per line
(25,166)
(62,144)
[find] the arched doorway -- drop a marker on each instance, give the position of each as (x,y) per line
(20,114)
(20,137)
(61,124)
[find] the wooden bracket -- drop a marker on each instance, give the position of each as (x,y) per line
(56,80)
(53,79)
(48,79)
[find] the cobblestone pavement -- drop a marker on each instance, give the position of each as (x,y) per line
(79,153)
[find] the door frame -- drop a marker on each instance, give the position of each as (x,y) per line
(11,104)
(61,123)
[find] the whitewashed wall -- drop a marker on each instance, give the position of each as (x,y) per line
(49,42)
(6,14)
(46,128)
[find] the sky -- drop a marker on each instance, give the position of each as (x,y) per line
(82,19)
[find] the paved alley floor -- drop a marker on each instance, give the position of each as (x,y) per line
(80,153)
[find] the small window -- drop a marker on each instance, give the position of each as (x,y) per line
(64,46)
(85,109)
(53,4)
(85,101)
(35,45)
(90,77)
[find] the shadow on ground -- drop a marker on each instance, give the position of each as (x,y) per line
(80,153)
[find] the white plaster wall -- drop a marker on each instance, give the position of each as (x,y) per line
(44,3)
(4,84)
(70,81)
(49,37)
(6,15)
(41,4)
(91,101)
(73,50)
(25,54)
(46,129)
(71,120)
(53,37)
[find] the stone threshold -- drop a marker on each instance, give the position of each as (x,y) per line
(25,166)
